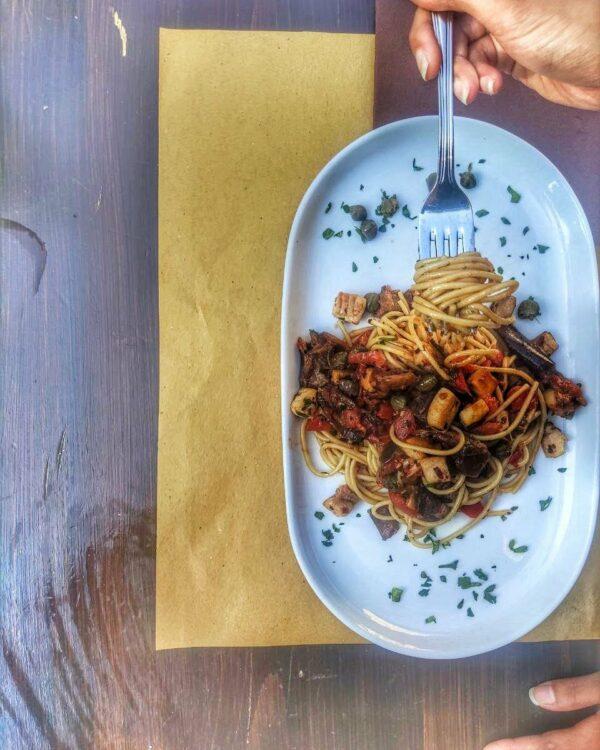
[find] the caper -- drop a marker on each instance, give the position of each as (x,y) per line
(398,401)
(372,302)
(431,180)
(339,360)
(358,212)
(528,309)
(369,229)
(467,179)
(388,207)
(426,383)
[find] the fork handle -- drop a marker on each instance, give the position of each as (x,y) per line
(442,25)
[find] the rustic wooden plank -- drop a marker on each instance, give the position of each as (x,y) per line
(78,390)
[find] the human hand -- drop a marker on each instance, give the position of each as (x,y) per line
(550,46)
(562,695)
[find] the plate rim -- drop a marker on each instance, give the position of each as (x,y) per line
(313,580)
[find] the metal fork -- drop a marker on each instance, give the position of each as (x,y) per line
(446,219)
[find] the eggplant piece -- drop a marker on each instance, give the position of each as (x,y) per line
(386,529)
(531,354)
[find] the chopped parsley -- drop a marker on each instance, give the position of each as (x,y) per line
(354,268)
(416,167)
(475,595)
(345,207)
(465,582)
(406,212)
(480,574)
(383,228)
(504,220)
(339,234)
(424,592)
(541,248)
(460,604)
(470,612)
(518,550)
(360,233)
(502,241)
(327,534)
(336,528)
(487,594)
(453,565)
(395,594)
(390,559)
(545,503)
(525,230)
(362,187)
(320,515)
(500,270)
(481,213)
(329,206)
(443,579)
(326,543)
(358,515)
(375,259)
(562,470)
(531,471)
(481,161)
(430,619)
(349,233)
(328,233)
(515,197)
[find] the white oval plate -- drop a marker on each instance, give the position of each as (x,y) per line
(353,576)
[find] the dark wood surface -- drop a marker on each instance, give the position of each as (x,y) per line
(78,389)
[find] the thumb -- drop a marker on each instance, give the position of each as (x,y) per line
(483,12)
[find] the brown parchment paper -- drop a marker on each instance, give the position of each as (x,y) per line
(246,121)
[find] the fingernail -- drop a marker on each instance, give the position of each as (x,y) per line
(422,63)
(461,90)
(542,695)
(487,84)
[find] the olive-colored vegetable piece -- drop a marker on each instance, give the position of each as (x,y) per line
(528,309)
(426,383)
(398,401)
(369,229)
(339,360)
(388,207)
(358,213)
(467,179)
(431,178)
(372,302)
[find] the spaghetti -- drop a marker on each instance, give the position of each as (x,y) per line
(425,411)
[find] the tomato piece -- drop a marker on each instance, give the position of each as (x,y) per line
(399,502)
(405,424)
(362,340)
(318,424)
(468,368)
(460,383)
(496,358)
(491,402)
(489,428)
(375,358)
(351,418)
(385,411)
(516,457)
(471,510)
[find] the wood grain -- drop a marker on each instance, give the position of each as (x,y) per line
(78,390)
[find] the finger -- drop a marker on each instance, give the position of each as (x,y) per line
(466,80)
(424,45)
(568,694)
(488,50)
(483,55)
(586,734)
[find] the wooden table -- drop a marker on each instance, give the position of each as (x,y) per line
(78,377)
